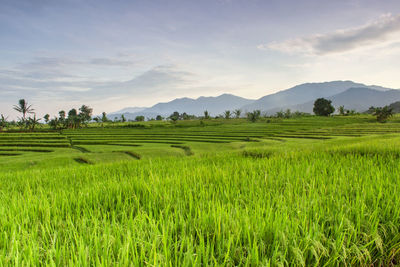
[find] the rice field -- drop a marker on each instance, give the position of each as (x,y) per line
(297,192)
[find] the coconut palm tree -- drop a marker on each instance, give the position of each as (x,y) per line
(23,108)
(237,113)
(227,114)
(31,123)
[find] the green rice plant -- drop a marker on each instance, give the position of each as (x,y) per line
(304,195)
(186,149)
(133,154)
(292,209)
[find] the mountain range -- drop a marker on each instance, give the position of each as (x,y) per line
(349,94)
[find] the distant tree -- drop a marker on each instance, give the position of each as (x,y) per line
(382,114)
(206,115)
(46,118)
(31,123)
(227,114)
(174,116)
(297,114)
(61,115)
(73,121)
(85,114)
(159,118)
(97,119)
(185,116)
(280,114)
(54,123)
(3,122)
(371,110)
(139,118)
(24,108)
(342,111)
(237,113)
(323,107)
(254,116)
(104,117)
(123,118)
(288,114)
(72,113)
(62,118)
(21,123)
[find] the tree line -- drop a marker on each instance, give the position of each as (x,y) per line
(76,118)
(29,121)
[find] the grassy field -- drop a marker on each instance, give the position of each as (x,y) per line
(298,192)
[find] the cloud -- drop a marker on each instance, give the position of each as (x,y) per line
(158,79)
(377,32)
(60,62)
(49,94)
(111,62)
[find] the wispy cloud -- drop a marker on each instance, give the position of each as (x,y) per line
(17,83)
(111,62)
(60,62)
(380,31)
(49,91)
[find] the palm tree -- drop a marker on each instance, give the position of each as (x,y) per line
(206,115)
(3,122)
(31,123)
(23,108)
(237,113)
(254,116)
(227,114)
(54,123)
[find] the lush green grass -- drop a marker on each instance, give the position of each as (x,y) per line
(262,200)
(164,139)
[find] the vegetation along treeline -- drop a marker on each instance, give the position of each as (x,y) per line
(81,117)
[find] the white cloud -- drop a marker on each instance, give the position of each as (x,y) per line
(382,31)
(162,78)
(47,93)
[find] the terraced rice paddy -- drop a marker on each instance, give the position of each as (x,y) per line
(298,192)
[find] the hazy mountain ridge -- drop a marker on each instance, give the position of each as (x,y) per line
(303,93)
(129,110)
(214,105)
(395,106)
(359,99)
(352,95)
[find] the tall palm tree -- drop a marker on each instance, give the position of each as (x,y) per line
(227,114)
(23,108)
(237,112)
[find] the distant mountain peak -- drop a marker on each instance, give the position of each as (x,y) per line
(303,93)
(298,97)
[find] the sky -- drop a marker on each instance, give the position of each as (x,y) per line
(112,54)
